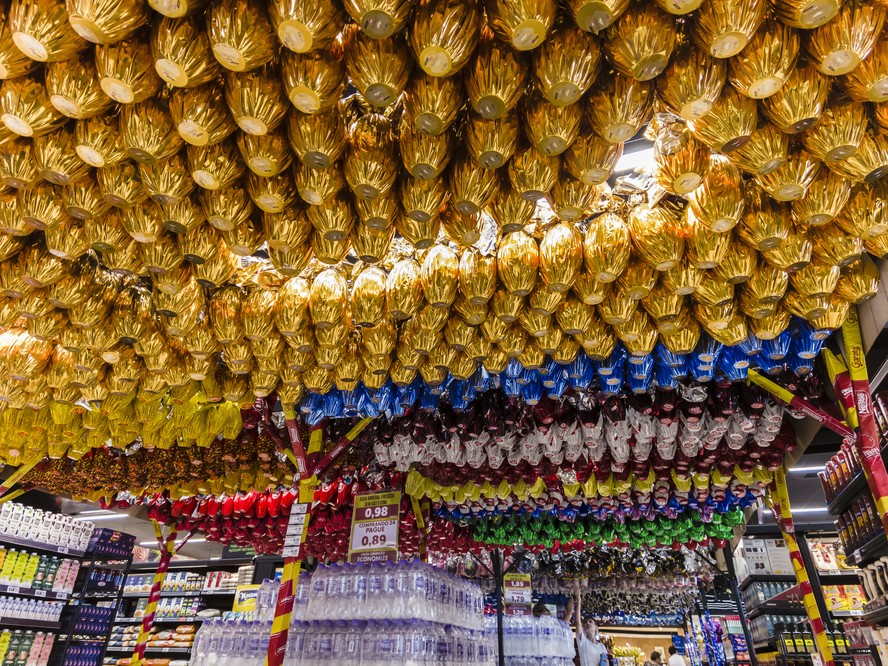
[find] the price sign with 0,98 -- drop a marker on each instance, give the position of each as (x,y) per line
(374,532)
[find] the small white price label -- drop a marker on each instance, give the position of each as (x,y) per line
(13,590)
(63,550)
(39,593)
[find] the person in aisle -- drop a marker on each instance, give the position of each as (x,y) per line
(590,649)
(656,659)
(540,610)
(676,659)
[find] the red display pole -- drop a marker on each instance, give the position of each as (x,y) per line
(868,434)
(167,548)
(778,499)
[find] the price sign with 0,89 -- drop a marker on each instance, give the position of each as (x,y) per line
(374,532)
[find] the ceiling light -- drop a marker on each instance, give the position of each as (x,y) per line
(635,160)
(805,470)
(92,519)
(153,544)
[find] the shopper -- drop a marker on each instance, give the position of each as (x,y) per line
(590,649)
(676,659)
(656,659)
(540,610)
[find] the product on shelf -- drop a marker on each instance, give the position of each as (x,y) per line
(180,637)
(25,647)
(37,571)
(91,620)
(858,524)
(19,608)
(527,639)
(234,642)
(758,592)
(111,543)
(839,471)
(172,607)
(18,521)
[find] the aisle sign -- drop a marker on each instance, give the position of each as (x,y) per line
(296,527)
(517,594)
(374,531)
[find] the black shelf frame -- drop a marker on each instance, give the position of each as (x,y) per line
(189,593)
(25,591)
(166,620)
(39,545)
(21,623)
(156,650)
(872,550)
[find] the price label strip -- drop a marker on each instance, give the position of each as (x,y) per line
(517,594)
(374,531)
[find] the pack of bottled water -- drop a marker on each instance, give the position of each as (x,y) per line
(231,643)
(531,641)
(388,591)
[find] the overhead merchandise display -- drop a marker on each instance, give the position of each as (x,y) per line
(265,255)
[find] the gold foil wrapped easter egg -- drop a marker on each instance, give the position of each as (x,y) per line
(126,70)
(380,19)
(369,244)
(592,159)
(797,105)
(835,316)
(806,307)
(56,159)
(523,24)
(225,209)
(25,108)
(328,299)
(379,213)
(431,103)
(551,129)
(41,30)
(168,182)
(183,217)
(304,26)
(403,289)
(511,211)
(718,202)
(444,35)
(817,280)
(272,195)
(561,255)
(729,124)
(831,245)
(214,167)
(765,151)
(793,253)
(477,276)
(806,14)
(315,81)
(378,68)
(439,276)
(13,62)
(83,199)
(636,282)
(424,156)
(421,200)
(656,237)
(824,199)
(618,107)
(566,65)
(73,88)
(147,132)
(705,248)
(200,115)
(41,206)
(256,100)
(763,66)
(838,133)
(607,247)
(692,83)
(121,184)
(182,54)
(368,297)
(98,141)
(616,309)
(288,230)
(865,214)
(681,161)
(868,163)
(318,139)
(724,27)
(333,219)
(369,166)
(518,261)
(240,35)
(495,79)
(683,279)
(462,229)
(572,199)
(421,233)
(766,225)
(105,21)
(531,173)
(596,15)
(640,43)
(792,179)
(838,46)
(472,187)
(491,143)
(868,82)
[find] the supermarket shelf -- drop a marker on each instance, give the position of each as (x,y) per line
(190,593)
(764,646)
(766,578)
(155,650)
(850,493)
(868,552)
(876,615)
(24,591)
(175,620)
(21,623)
(776,608)
(850,577)
(193,564)
(847,613)
(37,545)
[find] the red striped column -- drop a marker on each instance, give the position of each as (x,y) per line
(166,554)
(778,498)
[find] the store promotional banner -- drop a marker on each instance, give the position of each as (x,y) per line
(374,532)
